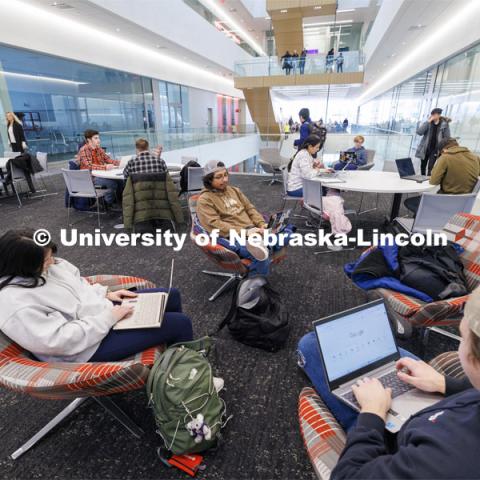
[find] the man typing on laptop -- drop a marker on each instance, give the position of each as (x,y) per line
(440,441)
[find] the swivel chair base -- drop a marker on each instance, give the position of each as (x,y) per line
(232,278)
(107,403)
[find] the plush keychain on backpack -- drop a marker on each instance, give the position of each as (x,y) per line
(199,429)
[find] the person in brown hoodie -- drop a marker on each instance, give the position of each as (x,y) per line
(456,171)
(224,208)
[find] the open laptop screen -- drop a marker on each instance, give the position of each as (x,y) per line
(354,340)
(405,167)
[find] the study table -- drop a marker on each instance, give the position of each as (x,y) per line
(117,173)
(372,181)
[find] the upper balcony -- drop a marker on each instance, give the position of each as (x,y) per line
(317,69)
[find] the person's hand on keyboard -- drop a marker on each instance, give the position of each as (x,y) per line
(373,397)
(119,295)
(420,375)
(120,312)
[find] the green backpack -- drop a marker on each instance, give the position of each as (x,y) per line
(188,411)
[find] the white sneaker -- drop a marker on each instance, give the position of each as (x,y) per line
(257,250)
(335,248)
(218,383)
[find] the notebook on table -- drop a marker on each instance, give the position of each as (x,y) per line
(148,309)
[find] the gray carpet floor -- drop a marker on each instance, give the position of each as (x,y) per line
(262,441)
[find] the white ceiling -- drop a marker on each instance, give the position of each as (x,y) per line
(104,20)
(397,49)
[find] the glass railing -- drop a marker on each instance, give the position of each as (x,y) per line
(388,146)
(314,64)
(64,146)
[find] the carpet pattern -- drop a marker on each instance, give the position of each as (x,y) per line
(262,441)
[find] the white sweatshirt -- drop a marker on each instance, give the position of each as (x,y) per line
(302,167)
(63,320)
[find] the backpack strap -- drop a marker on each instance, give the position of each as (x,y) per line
(230,314)
(167,356)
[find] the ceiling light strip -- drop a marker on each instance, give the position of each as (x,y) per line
(471,10)
(224,16)
(42,15)
(38,77)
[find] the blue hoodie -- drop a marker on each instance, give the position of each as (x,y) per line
(439,442)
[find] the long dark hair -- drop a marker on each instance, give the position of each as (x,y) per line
(310,141)
(20,256)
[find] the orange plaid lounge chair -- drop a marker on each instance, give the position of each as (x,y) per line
(409,312)
(20,373)
(322,435)
(236,267)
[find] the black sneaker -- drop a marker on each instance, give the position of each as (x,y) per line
(111,207)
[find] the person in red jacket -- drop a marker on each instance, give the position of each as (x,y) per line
(93,157)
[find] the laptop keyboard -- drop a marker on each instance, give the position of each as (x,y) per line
(390,380)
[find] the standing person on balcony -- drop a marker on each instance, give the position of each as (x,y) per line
(301,62)
(329,61)
(304,115)
(339,60)
(286,63)
(433,131)
(294,61)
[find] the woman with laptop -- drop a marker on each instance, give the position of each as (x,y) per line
(440,441)
(52,312)
(304,164)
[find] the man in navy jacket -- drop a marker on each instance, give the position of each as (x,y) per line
(441,441)
(304,115)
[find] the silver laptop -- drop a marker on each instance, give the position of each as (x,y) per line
(406,170)
(359,342)
(124,160)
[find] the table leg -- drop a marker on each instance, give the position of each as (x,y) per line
(397,201)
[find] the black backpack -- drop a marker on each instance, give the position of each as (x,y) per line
(321,132)
(436,271)
(257,316)
(184,175)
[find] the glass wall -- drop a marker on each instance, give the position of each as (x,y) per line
(57,99)
(173,106)
(453,86)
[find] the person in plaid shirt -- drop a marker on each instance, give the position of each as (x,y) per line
(145,161)
(92,157)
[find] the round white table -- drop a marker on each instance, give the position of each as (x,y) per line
(371,181)
(117,173)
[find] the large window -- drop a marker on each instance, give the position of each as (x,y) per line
(453,85)
(58,99)
(173,106)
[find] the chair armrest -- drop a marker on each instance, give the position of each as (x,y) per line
(72,380)
(443,311)
(119,282)
(448,364)
(322,435)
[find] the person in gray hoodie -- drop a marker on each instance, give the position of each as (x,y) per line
(55,314)
(433,131)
